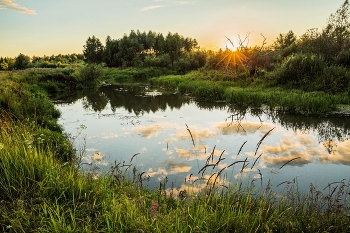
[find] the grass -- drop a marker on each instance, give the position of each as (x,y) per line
(213,86)
(132,75)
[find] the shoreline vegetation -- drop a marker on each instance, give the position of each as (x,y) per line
(44,189)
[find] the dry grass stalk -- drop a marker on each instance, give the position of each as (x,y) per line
(289,161)
(255,161)
(218,176)
(262,139)
(133,156)
(203,168)
(191,135)
(240,161)
(212,154)
(240,149)
(244,165)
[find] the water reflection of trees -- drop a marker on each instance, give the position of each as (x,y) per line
(329,129)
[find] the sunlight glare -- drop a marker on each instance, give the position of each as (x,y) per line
(228,45)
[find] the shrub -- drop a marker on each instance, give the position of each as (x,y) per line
(343,58)
(299,69)
(87,75)
(334,79)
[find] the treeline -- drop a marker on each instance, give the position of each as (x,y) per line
(141,49)
(54,61)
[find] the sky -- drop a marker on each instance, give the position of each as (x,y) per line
(47,27)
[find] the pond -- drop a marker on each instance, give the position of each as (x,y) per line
(170,138)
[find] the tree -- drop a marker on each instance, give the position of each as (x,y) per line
(285,40)
(21,61)
(110,50)
(333,39)
(173,46)
(338,28)
(93,50)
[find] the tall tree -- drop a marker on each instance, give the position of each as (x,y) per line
(285,40)
(93,50)
(173,46)
(21,61)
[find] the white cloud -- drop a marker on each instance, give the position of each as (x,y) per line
(147,8)
(12,5)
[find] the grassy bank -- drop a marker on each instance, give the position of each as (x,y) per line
(213,85)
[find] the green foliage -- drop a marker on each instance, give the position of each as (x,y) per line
(141,49)
(289,100)
(157,61)
(3,65)
(133,74)
(298,70)
(21,62)
(333,80)
(343,58)
(87,76)
(285,40)
(93,50)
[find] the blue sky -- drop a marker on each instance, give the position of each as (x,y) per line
(46,27)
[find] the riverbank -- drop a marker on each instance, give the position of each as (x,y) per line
(213,86)
(43,188)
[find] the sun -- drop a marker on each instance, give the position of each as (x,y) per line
(230,44)
(232,59)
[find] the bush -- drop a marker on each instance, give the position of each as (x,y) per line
(334,79)
(87,75)
(158,61)
(343,58)
(298,70)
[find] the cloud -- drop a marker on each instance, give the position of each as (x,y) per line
(108,136)
(12,5)
(147,8)
(197,134)
(243,128)
(178,167)
(149,131)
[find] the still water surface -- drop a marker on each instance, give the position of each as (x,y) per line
(173,136)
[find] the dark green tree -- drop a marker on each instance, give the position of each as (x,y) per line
(111,49)
(285,40)
(174,46)
(21,62)
(93,50)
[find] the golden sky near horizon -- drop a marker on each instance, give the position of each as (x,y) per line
(61,27)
